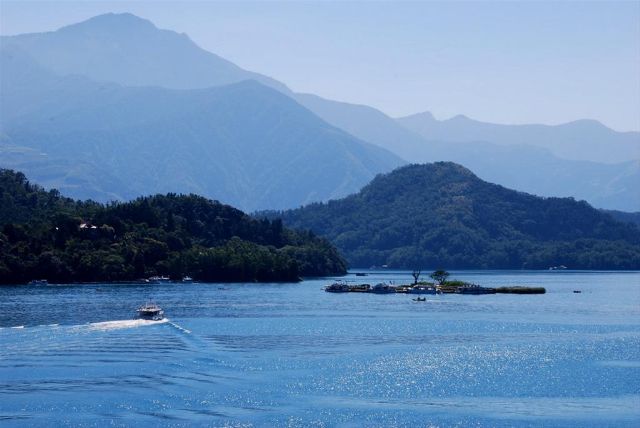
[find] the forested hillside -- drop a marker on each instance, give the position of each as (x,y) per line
(45,236)
(441,215)
(625,217)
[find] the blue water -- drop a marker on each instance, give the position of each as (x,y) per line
(293,355)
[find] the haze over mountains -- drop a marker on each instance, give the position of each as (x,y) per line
(129,50)
(587,140)
(244,143)
(139,110)
(532,168)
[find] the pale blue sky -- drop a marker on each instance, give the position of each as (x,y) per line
(505,62)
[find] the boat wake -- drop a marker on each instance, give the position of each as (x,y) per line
(182,329)
(120,324)
(114,325)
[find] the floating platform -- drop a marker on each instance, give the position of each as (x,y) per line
(341,287)
(521,290)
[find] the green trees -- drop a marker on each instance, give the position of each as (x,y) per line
(439,276)
(45,236)
(442,215)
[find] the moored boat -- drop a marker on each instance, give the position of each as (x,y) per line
(422,289)
(382,288)
(519,289)
(38,282)
(337,287)
(159,279)
(447,289)
(359,288)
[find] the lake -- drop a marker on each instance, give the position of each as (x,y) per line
(293,355)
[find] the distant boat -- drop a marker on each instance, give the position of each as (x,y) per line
(38,282)
(151,311)
(337,287)
(561,267)
(159,279)
(361,274)
(187,279)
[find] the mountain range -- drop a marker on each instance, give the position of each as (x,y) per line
(529,168)
(255,145)
(441,215)
(243,143)
(587,140)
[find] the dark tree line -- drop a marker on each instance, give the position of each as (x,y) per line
(43,235)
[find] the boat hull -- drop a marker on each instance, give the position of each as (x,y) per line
(422,291)
(151,315)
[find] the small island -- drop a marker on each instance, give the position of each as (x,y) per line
(440,285)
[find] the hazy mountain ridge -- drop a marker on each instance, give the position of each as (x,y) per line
(522,167)
(587,140)
(368,124)
(442,215)
(126,49)
(242,143)
(82,179)
(123,48)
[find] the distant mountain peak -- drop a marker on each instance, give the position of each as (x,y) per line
(113,22)
(439,167)
(126,49)
(460,118)
(450,171)
(590,123)
(425,116)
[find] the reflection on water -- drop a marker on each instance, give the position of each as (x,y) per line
(290,354)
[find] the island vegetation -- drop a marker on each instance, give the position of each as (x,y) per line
(441,285)
(44,235)
(441,214)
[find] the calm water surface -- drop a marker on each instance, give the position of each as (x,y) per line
(293,355)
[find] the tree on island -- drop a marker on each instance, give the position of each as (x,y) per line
(440,276)
(416,275)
